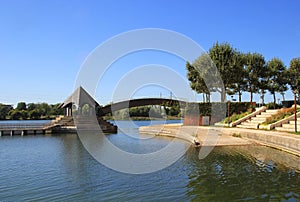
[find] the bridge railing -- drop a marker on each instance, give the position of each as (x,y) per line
(21,125)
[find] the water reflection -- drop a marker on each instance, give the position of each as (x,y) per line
(244,173)
(59,168)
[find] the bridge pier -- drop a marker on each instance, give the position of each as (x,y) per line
(12,133)
(0,133)
(24,132)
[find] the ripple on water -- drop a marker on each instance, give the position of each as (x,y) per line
(58,168)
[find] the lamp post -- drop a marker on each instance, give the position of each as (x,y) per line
(229,110)
(295,108)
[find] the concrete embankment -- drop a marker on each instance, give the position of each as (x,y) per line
(219,136)
(207,136)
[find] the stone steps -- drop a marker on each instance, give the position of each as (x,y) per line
(258,119)
(287,125)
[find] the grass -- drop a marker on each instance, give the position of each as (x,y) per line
(236,135)
(235,116)
(282,114)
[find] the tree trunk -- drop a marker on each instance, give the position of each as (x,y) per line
(251,96)
(240,96)
(283,98)
(203,97)
(274,96)
(208,97)
(223,95)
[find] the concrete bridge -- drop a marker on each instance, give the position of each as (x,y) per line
(137,103)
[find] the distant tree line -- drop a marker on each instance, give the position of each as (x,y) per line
(242,72)
(156,111)
(25,111)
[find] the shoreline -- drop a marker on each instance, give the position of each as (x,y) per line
(223,136)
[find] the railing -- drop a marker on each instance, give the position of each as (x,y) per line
(253,114)
(22,126)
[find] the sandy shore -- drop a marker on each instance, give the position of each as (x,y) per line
(221,136)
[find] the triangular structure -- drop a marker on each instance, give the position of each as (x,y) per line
(79,97)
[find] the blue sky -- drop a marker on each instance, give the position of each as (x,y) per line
(44,43)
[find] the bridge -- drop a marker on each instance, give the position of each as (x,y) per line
(137,103)
(79,107)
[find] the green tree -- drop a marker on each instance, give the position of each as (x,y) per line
(34,114)
(238,62)
(55,110)
(227,61)
(4,110)
(277,77)
(255,73)
(196,79)
(293,76)
(43,109)
(16,114)
(203,77)
(31,106)
(21,106)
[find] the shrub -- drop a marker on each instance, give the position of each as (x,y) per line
(283,113)
(235,117)
(271,106)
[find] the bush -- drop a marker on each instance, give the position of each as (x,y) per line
(283,113)
(271,106)
(235,117)
(205,109)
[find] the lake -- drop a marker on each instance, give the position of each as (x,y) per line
(57,167)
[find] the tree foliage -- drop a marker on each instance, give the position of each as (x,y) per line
(255,71)
(277,78)
(293,77)
(242,73)
(223,55)
(30,111)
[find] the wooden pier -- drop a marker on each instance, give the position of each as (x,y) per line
(22,129)
(11,129)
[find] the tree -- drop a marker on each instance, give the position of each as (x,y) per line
(214,72)
(255,73)
(4,109)
(21,106)
(277,77)
(34,114)
(196,80)
(238,61)
(223,56)
(293,76)
(16,114)
(55,110)
(31,106)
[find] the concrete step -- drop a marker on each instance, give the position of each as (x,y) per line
(271,111)
(246,123)
(293,122)
(264,115)
(254,126)
(258,119)
(290,126)
(256,122)
(285,129)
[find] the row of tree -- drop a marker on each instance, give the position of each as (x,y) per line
(241,72)
(30,111)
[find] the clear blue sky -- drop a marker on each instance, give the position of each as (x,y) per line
(43,43)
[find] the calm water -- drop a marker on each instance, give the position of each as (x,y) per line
(59,168)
